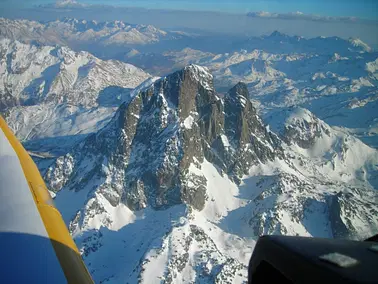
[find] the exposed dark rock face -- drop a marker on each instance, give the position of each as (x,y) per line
(142,157)
(339,229)
(250,141)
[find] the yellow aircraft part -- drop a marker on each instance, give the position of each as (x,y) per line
(65,248)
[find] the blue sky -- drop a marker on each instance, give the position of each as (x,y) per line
(359,8)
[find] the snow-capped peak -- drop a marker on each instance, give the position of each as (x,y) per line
(298,125)
(339,154)
(201,74)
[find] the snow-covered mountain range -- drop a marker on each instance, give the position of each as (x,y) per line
(48,92)
(77,32)
(173,179)
(199,177)
(114,40)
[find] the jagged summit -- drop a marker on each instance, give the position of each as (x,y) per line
(239,89)
(200,74)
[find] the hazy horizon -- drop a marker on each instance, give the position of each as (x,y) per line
(206,21)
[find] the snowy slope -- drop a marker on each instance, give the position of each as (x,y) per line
(180,183)
(32,74)
(335,152)
(51,92)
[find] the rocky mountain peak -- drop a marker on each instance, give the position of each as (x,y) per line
(239,89)
(238,97)
(198,75)
(144,155)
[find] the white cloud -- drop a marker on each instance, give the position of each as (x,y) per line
(68,4)
(300,16)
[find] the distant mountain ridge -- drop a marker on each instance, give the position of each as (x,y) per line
(69,30)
